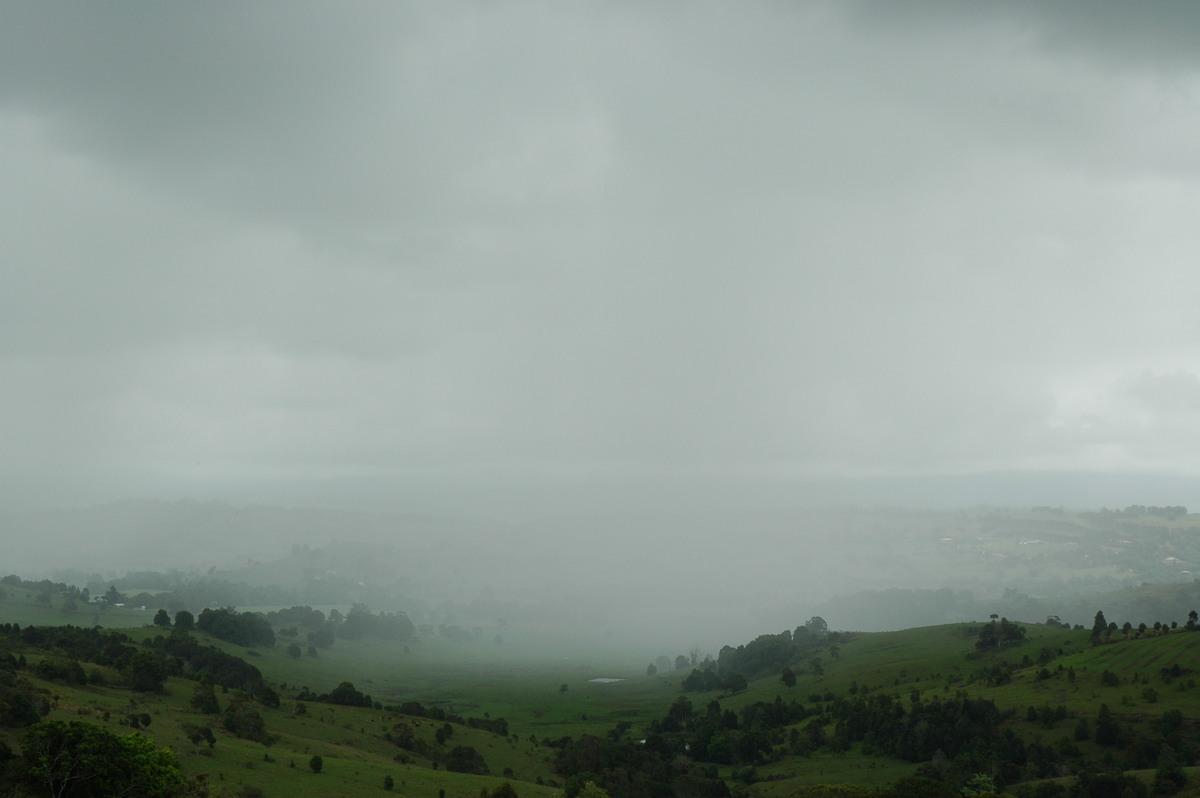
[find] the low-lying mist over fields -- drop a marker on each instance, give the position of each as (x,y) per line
(637,581)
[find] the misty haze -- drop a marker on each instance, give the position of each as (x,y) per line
(604,336)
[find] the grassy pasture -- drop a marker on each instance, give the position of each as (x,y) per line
(19,605)
(520,681)
(349,740)
(471,679)
(522,689)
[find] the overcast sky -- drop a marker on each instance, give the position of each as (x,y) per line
(286,243)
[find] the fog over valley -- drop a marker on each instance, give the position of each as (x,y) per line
(658,324)
(634,583)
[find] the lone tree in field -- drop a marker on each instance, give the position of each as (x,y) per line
(787,677)
(316,763)
(465,759)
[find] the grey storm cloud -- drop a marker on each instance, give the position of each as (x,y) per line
(252,242)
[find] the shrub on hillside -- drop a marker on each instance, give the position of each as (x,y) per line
(465,759)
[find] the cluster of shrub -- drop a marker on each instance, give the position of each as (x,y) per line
(57,655)
(955,737)
(241,628)
(20,702)
(771,652)
(177,593)
(143,667)
(709,679)
(995,636)
(418,710)
(681,753)
(255,628)
(84,759)
(345,694)
(461,758)
(175,590)
(1139,510)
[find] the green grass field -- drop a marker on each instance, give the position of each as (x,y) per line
(522,681)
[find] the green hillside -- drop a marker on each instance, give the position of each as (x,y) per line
(1030,707)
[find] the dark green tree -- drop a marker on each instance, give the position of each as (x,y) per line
(243,720)
(444,733)
(316,764)
(323,637)
(185,620)
(1169,776)
(145,673)
(988,639)
(19,705)
(1170,722)
(1108,731)
(347,695)
(787,676)
(920,787)
(199,734)
(267,696)
(1111,783)
(465,759)
(161,618)
(83,760)
(204,699)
